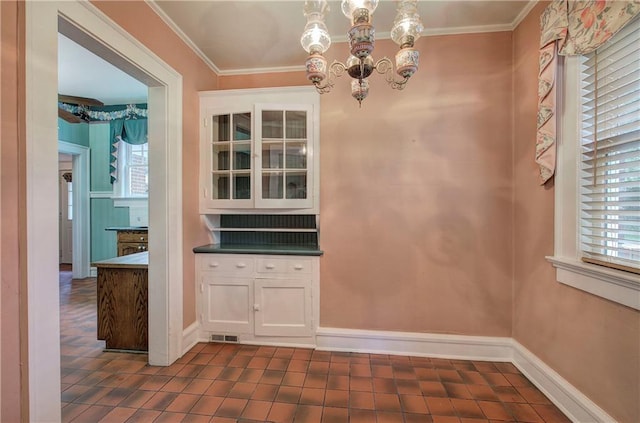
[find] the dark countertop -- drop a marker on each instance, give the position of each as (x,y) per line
(127,228)
(287,250)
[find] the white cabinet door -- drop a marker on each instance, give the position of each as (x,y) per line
(226,158)
(285,150)
(282,307)
(227,304)
(259,150)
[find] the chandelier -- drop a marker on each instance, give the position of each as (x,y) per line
(315,39)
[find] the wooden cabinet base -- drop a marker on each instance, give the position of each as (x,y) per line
(123,308)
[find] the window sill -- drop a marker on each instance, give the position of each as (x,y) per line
(614,285)
(130,201)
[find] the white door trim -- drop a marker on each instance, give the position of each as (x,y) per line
(81,219)
(92,28)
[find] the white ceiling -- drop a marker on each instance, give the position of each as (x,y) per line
(83,74)
(252,36)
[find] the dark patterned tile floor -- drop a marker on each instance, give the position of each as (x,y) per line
(225,383)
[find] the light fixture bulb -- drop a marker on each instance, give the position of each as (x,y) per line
(350,6)
(315,37)
(407,26)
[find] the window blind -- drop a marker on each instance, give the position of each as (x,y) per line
(610,156)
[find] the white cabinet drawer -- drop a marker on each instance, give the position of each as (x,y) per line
(272,265)
(291,267)
(240,265)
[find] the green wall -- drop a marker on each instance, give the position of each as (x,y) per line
(103,214)
(100,150)
(75,133)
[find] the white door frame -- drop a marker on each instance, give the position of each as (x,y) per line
(85,24)
(81,222)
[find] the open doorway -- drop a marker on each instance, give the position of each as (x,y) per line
(65,210)
(83,23)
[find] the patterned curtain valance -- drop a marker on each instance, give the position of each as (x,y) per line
(570,28)
(106,113)
(131,131)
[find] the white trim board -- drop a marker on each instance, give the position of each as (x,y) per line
(87,25)
(190,337)
(565,396)
(573,403)
(80,259)
(415,344)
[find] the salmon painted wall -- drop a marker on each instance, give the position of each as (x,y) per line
(12,231)
(590,341)
(146,26)
(416,192)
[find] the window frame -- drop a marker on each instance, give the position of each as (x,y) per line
(615,285)
(121,187)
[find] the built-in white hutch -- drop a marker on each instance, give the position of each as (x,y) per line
(258,280)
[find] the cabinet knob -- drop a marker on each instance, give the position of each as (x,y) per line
(270,266)
(214,264)
(298,267)
(139,247)
(241,265)
(141,238)
(256,307)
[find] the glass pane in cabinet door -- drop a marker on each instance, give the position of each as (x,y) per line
(242,126)
(220,186)
(272,185)
(296,155)
(296,183)
(272,155)
(242,156)
(220,128)
(220,157)
(241,186)
(272,122)
(296,125)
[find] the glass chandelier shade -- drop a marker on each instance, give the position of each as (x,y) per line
(350,7)
(315,38)
(407,28)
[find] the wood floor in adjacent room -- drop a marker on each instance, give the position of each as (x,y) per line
(249,384)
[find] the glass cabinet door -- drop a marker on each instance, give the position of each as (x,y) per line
(284,137)
(231,156)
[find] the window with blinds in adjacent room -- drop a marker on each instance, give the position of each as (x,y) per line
(610,154)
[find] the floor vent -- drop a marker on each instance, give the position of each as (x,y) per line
(224,338)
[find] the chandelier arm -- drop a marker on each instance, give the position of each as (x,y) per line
(384,67)
(335,70)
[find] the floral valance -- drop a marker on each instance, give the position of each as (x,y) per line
(106,113)
(570,28)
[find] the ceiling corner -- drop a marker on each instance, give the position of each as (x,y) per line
(175,28)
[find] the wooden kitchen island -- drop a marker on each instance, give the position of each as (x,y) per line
(122,301)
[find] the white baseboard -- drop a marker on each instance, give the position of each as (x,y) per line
(573,403)
(190,336)
(93,272)
(417,344)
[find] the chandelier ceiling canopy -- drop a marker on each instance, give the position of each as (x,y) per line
(315,39)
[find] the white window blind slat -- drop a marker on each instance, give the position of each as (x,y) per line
(625,66)
(629,35)
(610,154)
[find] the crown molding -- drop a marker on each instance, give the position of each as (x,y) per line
(184,37)
(523,13)
(250,71)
